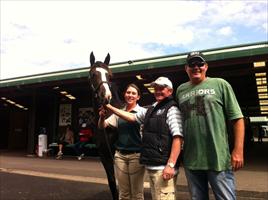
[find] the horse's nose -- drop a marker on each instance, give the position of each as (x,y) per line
(107,92)
(108,96)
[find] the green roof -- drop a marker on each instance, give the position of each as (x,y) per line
(260,48)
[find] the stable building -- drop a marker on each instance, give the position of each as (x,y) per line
(53,100)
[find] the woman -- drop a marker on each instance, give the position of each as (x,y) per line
(129,172)
(65,139)
(85,137)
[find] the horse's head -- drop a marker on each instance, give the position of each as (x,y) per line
(99,79)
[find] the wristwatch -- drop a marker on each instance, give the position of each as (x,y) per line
(171,164)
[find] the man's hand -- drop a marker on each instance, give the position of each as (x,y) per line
(237,160)
(168,173)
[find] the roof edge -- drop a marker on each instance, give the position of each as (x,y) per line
(139,64)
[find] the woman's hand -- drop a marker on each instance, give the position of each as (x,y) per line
(102,112)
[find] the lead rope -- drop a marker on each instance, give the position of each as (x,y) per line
(105,138)
(108,144)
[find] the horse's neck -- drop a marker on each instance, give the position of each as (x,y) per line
(116,100)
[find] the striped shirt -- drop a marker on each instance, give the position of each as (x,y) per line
(174,119)
(112,121)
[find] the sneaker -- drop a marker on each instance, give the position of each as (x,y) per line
(58,157)
(81,156)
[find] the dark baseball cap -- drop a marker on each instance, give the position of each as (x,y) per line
(195,56)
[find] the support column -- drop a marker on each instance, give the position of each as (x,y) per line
(31,128)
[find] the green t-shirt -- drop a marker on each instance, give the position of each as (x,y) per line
(206,108)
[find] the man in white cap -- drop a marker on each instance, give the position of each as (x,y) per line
(161,141)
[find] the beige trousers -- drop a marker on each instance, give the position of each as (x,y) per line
(130,176)
(162,189)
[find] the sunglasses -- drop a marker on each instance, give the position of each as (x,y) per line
(198,64)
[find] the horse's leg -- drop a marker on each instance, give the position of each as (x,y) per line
(106,157)
(107,163)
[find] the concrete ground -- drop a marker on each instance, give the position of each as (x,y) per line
(25,176)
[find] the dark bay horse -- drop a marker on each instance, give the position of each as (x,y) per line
(103,92)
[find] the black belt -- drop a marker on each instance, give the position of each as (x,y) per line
(125,152)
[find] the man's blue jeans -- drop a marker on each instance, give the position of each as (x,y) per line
(222,184)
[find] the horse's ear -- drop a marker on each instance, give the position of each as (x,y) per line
(107,59)
(92,58)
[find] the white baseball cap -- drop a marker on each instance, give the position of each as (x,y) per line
(162,81)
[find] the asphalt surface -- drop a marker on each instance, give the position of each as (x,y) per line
(27,177)
(17,187)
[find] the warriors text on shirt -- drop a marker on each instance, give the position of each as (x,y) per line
(198,92)
(198,105)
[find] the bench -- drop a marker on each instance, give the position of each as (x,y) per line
(90,149)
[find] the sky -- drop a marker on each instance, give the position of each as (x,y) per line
(47,36)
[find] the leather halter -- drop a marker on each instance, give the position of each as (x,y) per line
(96,89)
